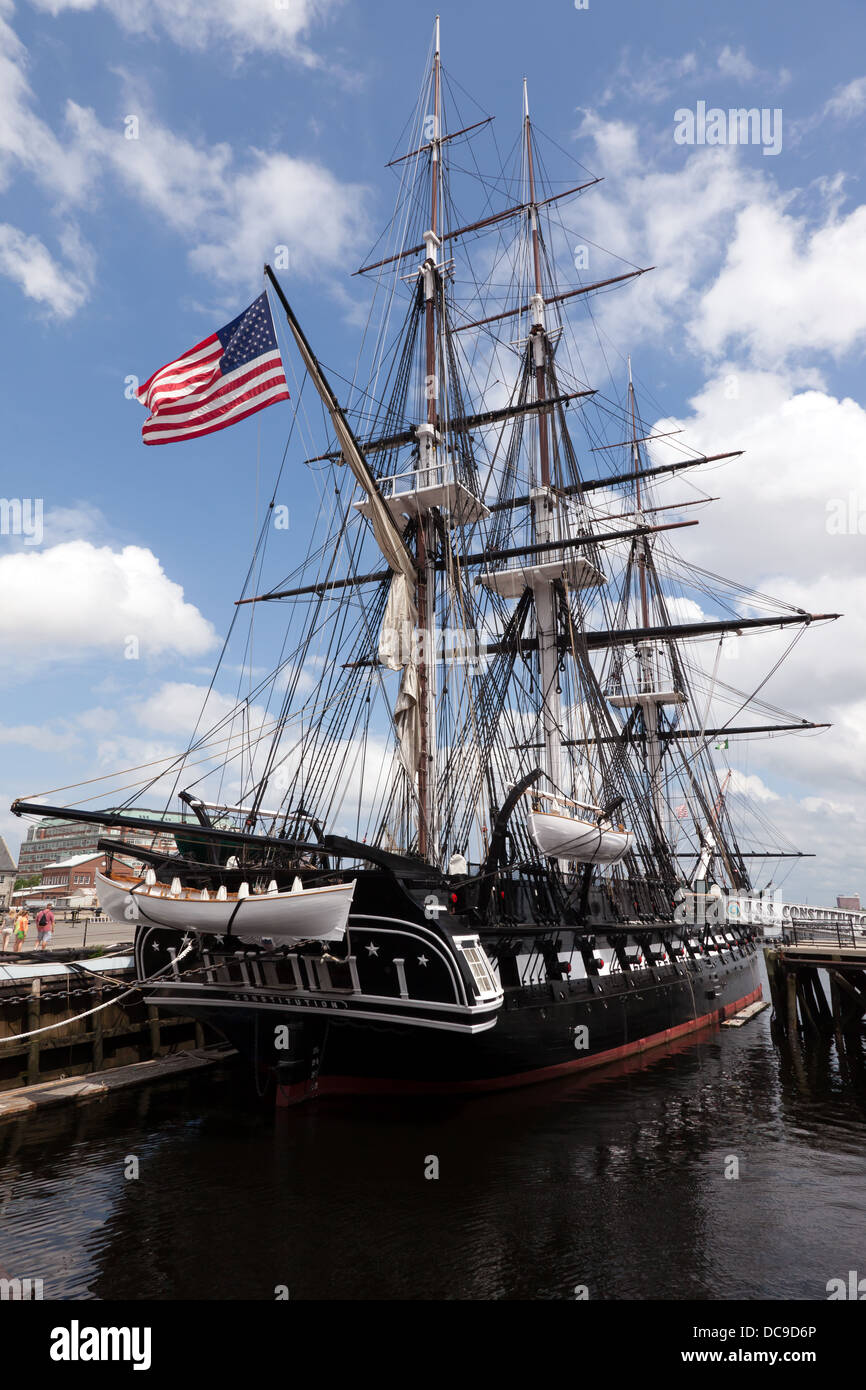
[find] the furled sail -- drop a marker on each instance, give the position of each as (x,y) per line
(397,652)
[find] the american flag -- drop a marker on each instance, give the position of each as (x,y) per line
(233,373)
(681,812)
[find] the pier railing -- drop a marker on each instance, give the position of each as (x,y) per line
(801,931)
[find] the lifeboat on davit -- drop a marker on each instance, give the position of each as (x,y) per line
(301,914)
(562,833)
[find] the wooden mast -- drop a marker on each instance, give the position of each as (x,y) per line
(427,461)
(649,683)
(543,501)
(635,454)
(538,337)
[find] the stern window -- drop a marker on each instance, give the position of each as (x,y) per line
(482,974)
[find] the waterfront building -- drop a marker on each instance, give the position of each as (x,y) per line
(8,875)
(72,878)
(49,841)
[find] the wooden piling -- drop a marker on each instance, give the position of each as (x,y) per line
(803,987)
(775,977)
(825,1019)
(98,1031)
(839,1036)
(793,1033)
(851,1001)
(34,1010)
(153,1019)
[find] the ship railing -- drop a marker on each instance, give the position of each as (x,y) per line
(413,479)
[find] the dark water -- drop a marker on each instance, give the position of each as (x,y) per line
(617,1183)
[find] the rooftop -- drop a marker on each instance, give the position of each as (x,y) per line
(76,859)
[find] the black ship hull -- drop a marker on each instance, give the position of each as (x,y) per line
(532,1042)
(414,1008)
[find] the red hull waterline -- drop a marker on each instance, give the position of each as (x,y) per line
(385,1086)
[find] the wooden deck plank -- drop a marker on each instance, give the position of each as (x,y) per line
(25,1100)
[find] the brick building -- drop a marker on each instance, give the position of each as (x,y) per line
(71,878)
(50,841)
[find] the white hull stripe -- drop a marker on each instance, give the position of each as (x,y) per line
(333,1014)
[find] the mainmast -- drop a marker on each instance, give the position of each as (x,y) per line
(543,501)
(635,463)
(428,446)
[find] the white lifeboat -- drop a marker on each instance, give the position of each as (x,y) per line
(562,833)
(302,914)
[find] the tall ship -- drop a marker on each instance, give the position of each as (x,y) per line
(476,827)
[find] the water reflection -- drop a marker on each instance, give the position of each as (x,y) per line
(616,1182)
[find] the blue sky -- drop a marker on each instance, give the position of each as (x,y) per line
(269,123)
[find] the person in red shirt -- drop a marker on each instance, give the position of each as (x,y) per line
(44,928)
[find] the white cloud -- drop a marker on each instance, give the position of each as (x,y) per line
(80,521)
(833,832)
(750,785)
(280,200)
(769,529)
(648,78)
(61,282)
(60,286)
(616,142)
(97,720)
(684,610)
(745,268)
(71,600)
(26,141)
(231,207)
(735,63)
(269,26)
(787,288)
(677,220)
(39,736)
(234,211)
(651,78)
(176,708)
(177,179)
(848,102)
(803,448)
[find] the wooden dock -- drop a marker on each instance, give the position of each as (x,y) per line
(745,1014)
(44,1037)
(27,1100)
(796,968)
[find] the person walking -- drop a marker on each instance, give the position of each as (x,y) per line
(22,927)
(6,929)
(44,927)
